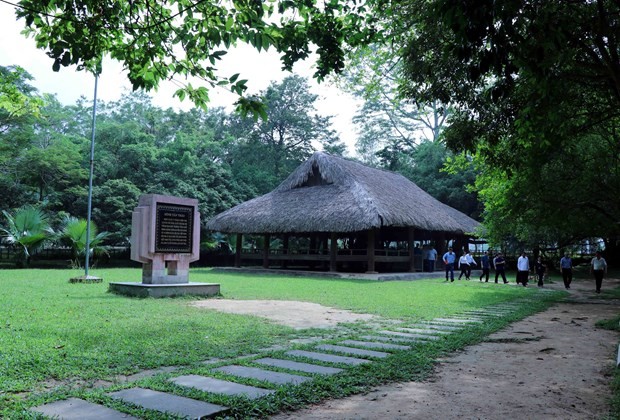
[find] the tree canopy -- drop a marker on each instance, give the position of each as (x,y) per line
(534,91)
(158,40)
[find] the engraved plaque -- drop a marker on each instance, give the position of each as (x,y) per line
(174,226)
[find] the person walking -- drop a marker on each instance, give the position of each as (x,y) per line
(448,259)
(500,267)
(598,267)
(566,265)
(485,264)
(523,269)
(464,266)
(472,263)
(432,257)
(540,268)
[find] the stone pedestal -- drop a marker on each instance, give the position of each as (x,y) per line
(165,238)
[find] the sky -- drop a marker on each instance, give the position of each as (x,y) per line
(259,68)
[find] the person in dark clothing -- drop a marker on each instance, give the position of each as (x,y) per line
(485,264)
(540,268)
(500,266)
(566,265)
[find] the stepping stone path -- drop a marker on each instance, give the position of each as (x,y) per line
(168,403)
(424,331)
(353,350)
(277,378)
(459,320)
(218,386)
(330,358)
(410,335)
(76,409)
(372,345)
(440,327)
(301,367)
(375,346)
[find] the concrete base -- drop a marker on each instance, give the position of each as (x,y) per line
(165,290)
(85,279)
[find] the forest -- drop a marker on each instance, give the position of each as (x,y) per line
(219,158)
(508,111)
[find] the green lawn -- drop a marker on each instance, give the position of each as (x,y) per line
(56,333)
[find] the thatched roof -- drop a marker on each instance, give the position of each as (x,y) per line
(332,194)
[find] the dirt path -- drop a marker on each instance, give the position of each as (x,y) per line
(562,372)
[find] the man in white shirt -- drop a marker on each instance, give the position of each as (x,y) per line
(523,269)
(598,267)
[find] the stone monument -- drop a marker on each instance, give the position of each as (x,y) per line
(165,238)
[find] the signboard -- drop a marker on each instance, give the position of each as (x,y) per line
(174,226)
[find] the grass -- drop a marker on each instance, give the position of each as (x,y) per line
(57,338)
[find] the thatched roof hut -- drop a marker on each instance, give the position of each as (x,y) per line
(332,194)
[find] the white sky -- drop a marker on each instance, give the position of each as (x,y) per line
(259,68)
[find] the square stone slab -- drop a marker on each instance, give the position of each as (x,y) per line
(218,386)
(263,375)
(410,335)
(371,345)
(482,312)
(169,403)
(457,321)
(426,331)
(353,350)
(437,327)
(330,358)
(76,409)
(302,367)
(394,338)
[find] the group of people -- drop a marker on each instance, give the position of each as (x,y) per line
(598,267)
(466,262)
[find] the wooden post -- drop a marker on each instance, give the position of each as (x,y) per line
(238,249)
(324,250)
(411,249)
(333,252)
(285,250)
(313,250)
(370,251)
(266,251)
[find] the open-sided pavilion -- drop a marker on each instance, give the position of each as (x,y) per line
(337,214)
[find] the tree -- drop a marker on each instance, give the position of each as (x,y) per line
(52,161)
(389,124)
(157,40)
(17,98)
(28,228)
(73,234)
(530,82)
(268,150)
(19,110)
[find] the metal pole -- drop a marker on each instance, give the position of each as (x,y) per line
(90,178)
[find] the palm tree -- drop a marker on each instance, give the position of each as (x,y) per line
(73,234)
(29,228)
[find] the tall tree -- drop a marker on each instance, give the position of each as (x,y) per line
(529,81)
(268,150)
(388,123)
